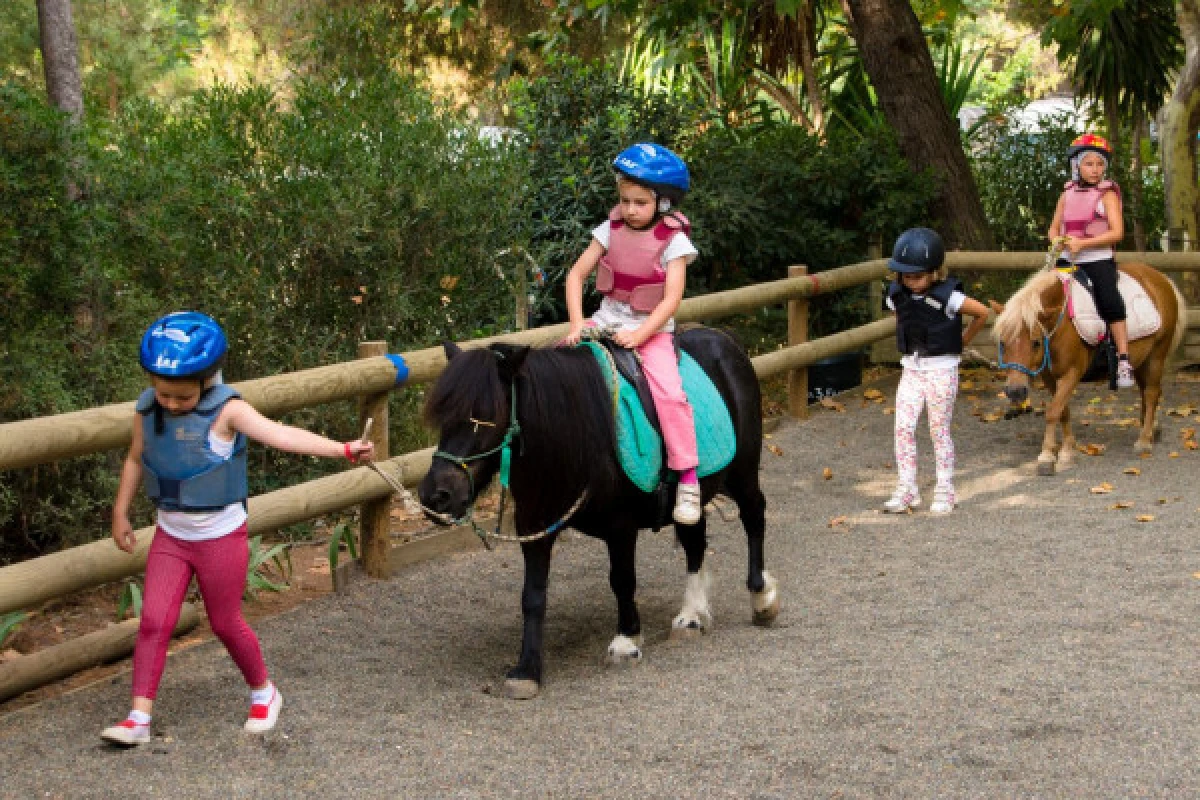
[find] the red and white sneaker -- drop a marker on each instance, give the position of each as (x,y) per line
(127,733)
(263,715)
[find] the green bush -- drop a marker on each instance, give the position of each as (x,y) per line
(361,209)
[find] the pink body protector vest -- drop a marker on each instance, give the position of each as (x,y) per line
(1081,216)
(632,271)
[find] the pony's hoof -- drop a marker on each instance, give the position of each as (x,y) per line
(766,602)
(692,629)
(1045,468)
(625,651)
(521,689)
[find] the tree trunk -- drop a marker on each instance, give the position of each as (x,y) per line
(1135,189)
(60,56)
(1180,120)
(897,59)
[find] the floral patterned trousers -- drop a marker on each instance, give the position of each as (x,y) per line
(937,390)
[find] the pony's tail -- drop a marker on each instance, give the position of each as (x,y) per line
(1181,321)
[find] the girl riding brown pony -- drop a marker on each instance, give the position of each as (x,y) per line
(1037,338)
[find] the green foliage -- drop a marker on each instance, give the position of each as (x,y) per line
(343,533)
(262,558)
(130,601)
(781,197)
(1021,175)
(361,210)
(9,622)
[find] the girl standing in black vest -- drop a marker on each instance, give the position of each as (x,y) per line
(929,306)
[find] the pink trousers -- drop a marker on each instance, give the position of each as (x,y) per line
(220,568)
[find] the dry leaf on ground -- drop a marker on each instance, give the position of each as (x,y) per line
(830,403)
(1120,505)
(774,448)
(873,394)
(1103,488)
(992,416)
(1132,471)
(1093,448)
(1145,518)
(889,410)
(827,474)
(1172,454)
(836,521)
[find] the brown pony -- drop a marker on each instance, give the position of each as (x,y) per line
(1037,338)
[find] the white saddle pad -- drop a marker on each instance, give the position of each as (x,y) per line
(1141,317)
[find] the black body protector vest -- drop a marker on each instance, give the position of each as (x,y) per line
(922,327)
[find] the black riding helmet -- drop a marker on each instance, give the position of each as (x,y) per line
(918,250)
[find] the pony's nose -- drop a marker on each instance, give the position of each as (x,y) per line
(1016,394)
(438,500)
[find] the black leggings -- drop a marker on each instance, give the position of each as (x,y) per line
(1109,302)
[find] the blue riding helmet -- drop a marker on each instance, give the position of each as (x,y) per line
(655,167)
(918,250)
(185,344)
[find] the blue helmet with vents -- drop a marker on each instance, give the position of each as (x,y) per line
(184,344)
(655,167)
(918,250)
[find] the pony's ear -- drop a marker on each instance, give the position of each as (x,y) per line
(451,349)
(509,358)
(996,307)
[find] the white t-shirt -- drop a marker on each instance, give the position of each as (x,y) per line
(614,313)
(200,526)
(914,361)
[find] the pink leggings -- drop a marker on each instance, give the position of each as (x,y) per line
(220,568)
(936,390)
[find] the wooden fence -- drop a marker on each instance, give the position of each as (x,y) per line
(369,379)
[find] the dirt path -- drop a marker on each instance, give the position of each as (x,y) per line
(1038,642)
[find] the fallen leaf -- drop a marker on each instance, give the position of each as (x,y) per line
(992,417)
(963,385)
(1182,411)
(1171,454)
(1132,471)
(1196,575)
(1093,449)
(827,474)
(1145,518)
(774,448)
(888,411)
(1103,488)
(1187,433)
(836,521)
(1120,505)
(873,394)
(830,403)
(1191,444)
(1127,422)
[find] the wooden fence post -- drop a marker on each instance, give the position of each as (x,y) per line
(375,516)
(798,334)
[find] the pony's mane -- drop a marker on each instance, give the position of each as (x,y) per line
(567,430)
(1022,310)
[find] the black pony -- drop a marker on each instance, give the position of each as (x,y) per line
(562,449)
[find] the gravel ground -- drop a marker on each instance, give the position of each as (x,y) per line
(1035,643)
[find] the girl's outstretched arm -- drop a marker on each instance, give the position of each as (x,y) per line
(240,416)
(583,267)
(978,313)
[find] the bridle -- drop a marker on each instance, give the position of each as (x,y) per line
(1046,337)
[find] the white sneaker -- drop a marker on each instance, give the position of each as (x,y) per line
(903,499)
(1125,374)
(687,504)
(127,733)
(943,500)
(263,715)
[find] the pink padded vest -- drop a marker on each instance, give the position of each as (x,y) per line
(1081,216)
(631,270)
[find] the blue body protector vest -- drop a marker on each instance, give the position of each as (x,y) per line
(922,327)
(180,471)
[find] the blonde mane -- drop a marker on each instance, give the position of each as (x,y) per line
(1022,310)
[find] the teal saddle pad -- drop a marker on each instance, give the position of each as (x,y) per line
(640,446)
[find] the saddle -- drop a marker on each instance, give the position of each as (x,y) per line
(1141,317)
(640,447)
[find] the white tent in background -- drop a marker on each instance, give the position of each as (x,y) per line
(1029,118)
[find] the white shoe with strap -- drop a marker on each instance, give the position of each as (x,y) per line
(943,500)
(1125,379)
(687,504)
(903,499)
(127,733)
